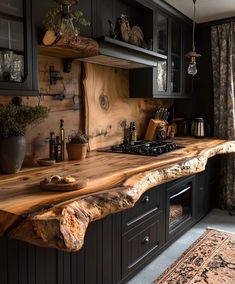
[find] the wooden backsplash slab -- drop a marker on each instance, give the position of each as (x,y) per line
(37,135)
(108,106)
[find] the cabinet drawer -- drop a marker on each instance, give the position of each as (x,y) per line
(141,243)
(151,202)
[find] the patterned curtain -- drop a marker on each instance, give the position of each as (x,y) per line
(223,63)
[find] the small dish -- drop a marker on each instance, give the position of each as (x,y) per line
(46,162)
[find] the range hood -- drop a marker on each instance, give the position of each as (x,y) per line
(120,54)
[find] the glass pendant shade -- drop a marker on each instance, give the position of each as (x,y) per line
(192,55)
(192,69)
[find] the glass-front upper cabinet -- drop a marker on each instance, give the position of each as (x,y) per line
(175,82)
(162,47)
(15,47)
(167,75)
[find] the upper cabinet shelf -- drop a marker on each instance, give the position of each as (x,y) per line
(120,54)
(105,18)
(105,51)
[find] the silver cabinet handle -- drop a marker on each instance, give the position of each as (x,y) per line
(182,191)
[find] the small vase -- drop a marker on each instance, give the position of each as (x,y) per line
(76,151)
(12,153)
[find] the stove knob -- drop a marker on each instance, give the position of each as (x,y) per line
(174,146)
(167,148)
(125,149)
(164,149)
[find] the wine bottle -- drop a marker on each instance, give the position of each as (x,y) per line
(52,146)
(61,136)
(58,151)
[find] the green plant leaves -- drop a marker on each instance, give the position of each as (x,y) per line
(15,119)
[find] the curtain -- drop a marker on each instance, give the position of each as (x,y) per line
(223,64)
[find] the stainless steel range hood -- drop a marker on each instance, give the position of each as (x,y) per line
(120,54)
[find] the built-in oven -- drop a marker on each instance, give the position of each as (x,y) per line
(180,206)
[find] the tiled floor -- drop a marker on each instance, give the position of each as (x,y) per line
(216,219)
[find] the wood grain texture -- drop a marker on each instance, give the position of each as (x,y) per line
(37,136)
(115,182)
(96,87)
(108,107)
(81,47)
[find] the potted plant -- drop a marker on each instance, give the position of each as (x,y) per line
(14,120)
(77,146)
(62,23)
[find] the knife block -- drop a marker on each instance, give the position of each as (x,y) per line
(153,127)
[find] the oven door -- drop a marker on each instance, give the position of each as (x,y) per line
(180,206)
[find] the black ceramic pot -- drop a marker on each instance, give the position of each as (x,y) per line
(12,153)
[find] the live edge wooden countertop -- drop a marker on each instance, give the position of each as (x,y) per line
(114,183)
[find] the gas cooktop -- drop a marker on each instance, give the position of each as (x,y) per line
(145,148)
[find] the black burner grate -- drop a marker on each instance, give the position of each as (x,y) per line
(145,148)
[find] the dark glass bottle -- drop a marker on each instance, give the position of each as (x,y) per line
(58,155)
(133,135)
(52,146)
(61,136)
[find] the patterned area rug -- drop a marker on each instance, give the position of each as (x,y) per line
(210,259)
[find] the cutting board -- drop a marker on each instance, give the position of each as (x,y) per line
(63,186)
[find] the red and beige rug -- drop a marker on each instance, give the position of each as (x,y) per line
(209,260)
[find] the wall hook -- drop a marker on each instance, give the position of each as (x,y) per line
(54,75)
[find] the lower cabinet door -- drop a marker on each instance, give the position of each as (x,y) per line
(141,243)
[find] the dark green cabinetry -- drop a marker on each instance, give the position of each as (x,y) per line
(17,68)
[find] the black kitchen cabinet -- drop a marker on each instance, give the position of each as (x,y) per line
(98,262)
(17,68)
(111,10)
(20,21)
(180,206)
(119,245)
(143,233)
(171,37)
(202,196)
(206,193)
(141,244)
(167,77)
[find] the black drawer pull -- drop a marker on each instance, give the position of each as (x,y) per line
(145,240)
(146,199)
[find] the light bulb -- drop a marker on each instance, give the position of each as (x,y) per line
(192,69)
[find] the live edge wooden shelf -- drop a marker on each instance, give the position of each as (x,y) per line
(85,47)
(114,183)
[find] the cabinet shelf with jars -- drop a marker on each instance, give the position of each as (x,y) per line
(169,78)
(16,48)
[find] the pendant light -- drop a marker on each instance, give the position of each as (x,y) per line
(192,55)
